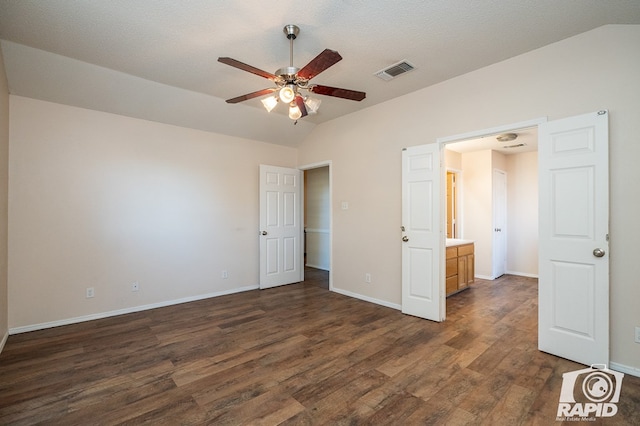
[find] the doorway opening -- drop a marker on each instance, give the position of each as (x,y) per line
(499,216)
(317,220)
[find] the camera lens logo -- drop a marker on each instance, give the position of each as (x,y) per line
(598,387)
(590,392)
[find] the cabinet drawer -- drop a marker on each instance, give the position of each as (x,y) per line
(452,252)
(464,250)
(452,267)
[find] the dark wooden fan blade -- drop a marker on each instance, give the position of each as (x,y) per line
(320,63)
(301,105)
(251,95)
(353,95)
(244,67)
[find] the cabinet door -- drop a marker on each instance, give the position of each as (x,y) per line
(462,272)
(471,270)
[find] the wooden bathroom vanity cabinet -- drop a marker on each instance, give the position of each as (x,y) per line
(459,265)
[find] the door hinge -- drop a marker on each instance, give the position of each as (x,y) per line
(602,112)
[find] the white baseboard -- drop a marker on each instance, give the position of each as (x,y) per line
(368,299)
(4,340)
(522,274)
(519,274)
(632,371)
(100,315)
(322,268)
(484,277)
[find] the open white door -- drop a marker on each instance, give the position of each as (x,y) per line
(499,192)
(280,226)
(573,317)
(422,284)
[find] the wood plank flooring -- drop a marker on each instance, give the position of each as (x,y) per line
(296,355)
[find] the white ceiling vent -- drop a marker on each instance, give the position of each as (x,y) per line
(394,70)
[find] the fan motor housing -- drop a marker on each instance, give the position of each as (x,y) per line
(287,73)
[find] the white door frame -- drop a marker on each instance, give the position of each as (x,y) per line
(316,166)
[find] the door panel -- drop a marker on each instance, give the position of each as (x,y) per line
(573,315)
(499,193)
(422,261)
(280,226)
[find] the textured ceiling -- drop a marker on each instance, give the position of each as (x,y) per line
(157,59)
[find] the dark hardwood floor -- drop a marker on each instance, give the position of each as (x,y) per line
(297,354)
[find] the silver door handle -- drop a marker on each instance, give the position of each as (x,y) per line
(405,238)
(598,252)
(264,232)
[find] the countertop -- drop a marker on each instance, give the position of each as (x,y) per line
(453,242)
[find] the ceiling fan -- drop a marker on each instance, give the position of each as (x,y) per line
(291,81)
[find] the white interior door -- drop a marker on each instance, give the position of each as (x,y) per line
(573,316)
(422,261)
(280,226)
(499,223)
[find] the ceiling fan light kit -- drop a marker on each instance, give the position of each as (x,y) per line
(288,93)
(270,103)
(291,81)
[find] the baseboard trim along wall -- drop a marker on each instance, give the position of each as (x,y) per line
(518,274)
(368,299)
(522,274)
(322,268)
(58,323)
(484,277)
(625,369)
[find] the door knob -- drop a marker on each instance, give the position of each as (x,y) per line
(264,232)
(405,238)
(598,252)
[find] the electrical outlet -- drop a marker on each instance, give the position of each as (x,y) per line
(90,292)
(225,275)
(367,277)
(637,334)
(135,286)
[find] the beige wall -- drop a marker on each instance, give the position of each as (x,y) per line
(101,200)
(4,167)
(522,214)
(581,74)
(452,160)
(477,208)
